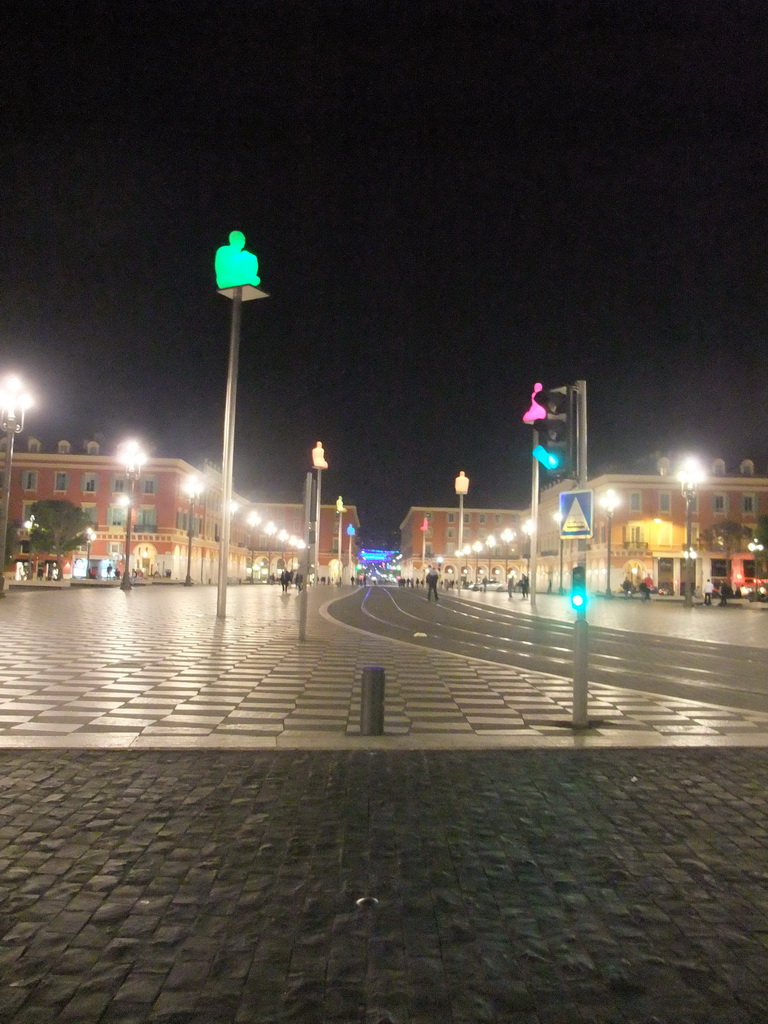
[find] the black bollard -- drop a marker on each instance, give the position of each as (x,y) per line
(372,702)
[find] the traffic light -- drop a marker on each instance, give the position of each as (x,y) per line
(554,447)
(579,588)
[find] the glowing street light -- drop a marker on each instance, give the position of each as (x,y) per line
(757,549)
(253,521)
(477,547)
(490,543)
(610,501)
(193,488)
(14,402)
(270,529)
(133,458)
(690,476)
(90,536)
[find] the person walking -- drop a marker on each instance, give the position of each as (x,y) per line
(709,589)
(432,578)
(510,586)
(524,585)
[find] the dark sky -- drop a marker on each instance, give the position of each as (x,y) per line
(449,202)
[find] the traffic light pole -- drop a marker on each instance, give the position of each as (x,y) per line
(533,536)
(580,719)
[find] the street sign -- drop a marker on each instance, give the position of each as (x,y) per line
(576,509)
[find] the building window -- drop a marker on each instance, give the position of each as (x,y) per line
(498,517)
(89,483)
(665,501)
(635,504)
(61,482)
(33,445)
(116,515)
(450,517)
(118,485)
(748,504)
(149,485)
(636,536)
(146,519)
(427,515)
(481,518)
(64,447)
(466,517)
(114,548)
(449,533)
(719,504)
(29,480)
(90,511)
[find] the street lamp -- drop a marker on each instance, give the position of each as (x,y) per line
(90,536)
(490,542)
(756,548)
(193,489)
(253,521)
(462,487)
(610,502)
(477,547)
(528,530)
(283,538)
(270,529)
(690,476)
(133,459)
(14,402)
(340,509)
(507,536)
(558,517)
(466,551)
(350,534)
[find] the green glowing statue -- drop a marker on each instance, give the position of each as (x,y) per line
(236,266)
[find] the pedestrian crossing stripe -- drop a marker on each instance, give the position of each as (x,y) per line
(576,514)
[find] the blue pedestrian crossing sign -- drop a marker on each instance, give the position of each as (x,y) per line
(576,514)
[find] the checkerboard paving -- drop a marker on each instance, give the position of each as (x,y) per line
(156,666)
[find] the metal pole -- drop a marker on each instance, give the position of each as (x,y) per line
(338,548)
(318,511)
(580,718)
(5,507)
(372,702)
(533,536)
(188,580)
(608,591)
(307,556)
(229,451)
(561,589)
(349,560)
(688,540)
(125,582)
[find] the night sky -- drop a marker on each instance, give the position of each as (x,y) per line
(448,201)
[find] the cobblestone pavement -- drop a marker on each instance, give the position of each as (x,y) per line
(513,887)
(155,667)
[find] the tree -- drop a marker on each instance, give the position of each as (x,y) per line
(58,528)
(728,537)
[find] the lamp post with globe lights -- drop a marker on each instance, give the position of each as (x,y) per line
(528,530)
(690,476)
(507,536)
(14,402)
(461,484)
(558,517)
(193,488)
(757,552)
(490,543)
(609,503)
(253,521)
(90,536)
(477,547)
(132,457)
(270,529)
